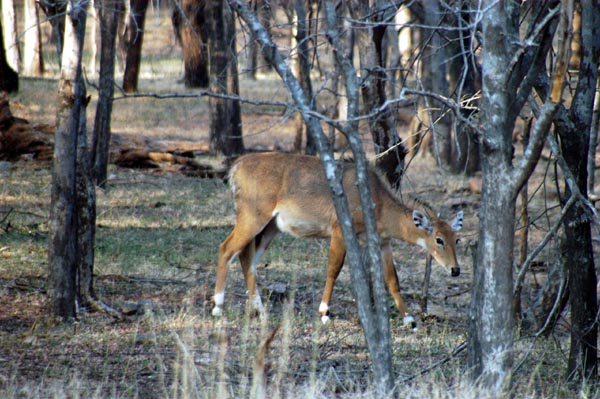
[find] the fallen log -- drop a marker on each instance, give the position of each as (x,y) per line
(20,139)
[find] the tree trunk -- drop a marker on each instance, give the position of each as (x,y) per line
(134,39)
(9,79)
(579,254)
(63,232)
(34,60)
(303,75)
(109,14)
(492,316)
(382,124)
(189,21)
(504,92)
(465,82)
(255,61)
(225,114)
(11,39)
(434,67)
(86,218)
(55,11)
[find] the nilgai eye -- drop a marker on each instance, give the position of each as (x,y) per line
(439,241)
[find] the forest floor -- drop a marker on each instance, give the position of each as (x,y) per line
(157,237)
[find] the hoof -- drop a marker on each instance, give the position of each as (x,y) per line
(409,322)
(325,319)
(217,311)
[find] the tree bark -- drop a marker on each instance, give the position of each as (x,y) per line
(9,79)
(109,13)
(63,232)
(225,114)
(579,255)
(255,61)
(134,39)
(55,11)
(189,21)
(303,75)
(465,82)
(382,125)
(434,66)
(32,50)
(11,39)
(504,92)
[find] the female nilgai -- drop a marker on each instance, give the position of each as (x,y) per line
(283,192)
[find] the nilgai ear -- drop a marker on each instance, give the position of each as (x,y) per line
(457,223)
(422,221)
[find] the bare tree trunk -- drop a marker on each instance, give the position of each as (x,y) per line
(189,21)
(11,38)
(225,114)
(434,68)
(134,39)
(32,50)
(109,14)
(9,79)
(504,92)
(591,166)
(465,82)
(579,254)
(390,151)
(55,11)
(63,232)
(255,61)
(94,37)
(86,217)
(303,74)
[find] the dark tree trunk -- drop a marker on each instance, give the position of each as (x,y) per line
(433,75)
(465,82)
(189,21)
(255,61)
(109,11)
(579,255)
(86,217)
(9,79)
(390,151)
(63,231)
(134,37)
(225,114)
(55,11)
(303,75)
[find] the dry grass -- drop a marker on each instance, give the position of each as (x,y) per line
(156,246)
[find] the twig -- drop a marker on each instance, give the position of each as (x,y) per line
(460,348)
(10,210)
(100,306)
(549,235)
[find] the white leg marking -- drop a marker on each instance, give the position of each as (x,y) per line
(323,309)
(257,303)
(219,300)
(409,321)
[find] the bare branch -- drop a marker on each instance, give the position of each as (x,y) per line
(450,103)
(532,152)
(549,235)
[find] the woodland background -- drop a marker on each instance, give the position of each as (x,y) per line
(163,208)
